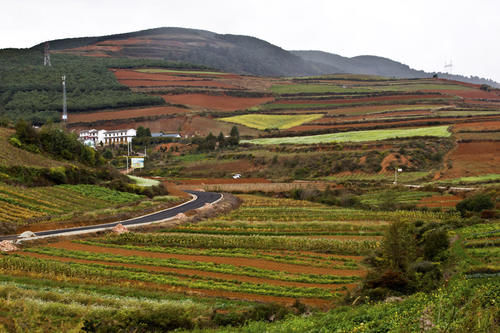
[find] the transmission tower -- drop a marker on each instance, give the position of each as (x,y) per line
(449,65)
(46,55)
(65,111)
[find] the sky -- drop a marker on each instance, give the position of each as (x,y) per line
(424,34)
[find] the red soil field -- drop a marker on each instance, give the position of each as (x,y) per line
(222,103)
(370,108)
(478,126)
(124,114)
(440,201)
(386,162)
(188,125)
(361,125)
(370,116)
(235,261)
(321,303)
(359,100)
(473,159)
(470,93)
(133,78)
(175,83)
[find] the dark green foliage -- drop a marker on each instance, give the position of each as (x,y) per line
(434,243)
(143,132)
(221,140)
(33,92)
(206,144)
(56,142)
(160,319)
(234,137)
(61,175)
(261,312)
(399,246)
(475,203)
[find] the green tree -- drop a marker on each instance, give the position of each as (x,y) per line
(475,203)
(234,137)
(399,246)
(221,140)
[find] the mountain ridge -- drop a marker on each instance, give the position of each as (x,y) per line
(239,54)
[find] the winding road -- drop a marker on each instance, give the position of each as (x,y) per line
(199,200)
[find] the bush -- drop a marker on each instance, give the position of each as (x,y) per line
(435,242)
(475,203)
(15,142)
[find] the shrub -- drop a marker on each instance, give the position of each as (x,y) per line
(475,203)
(435,242)
(15,142)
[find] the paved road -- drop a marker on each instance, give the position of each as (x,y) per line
(202,198)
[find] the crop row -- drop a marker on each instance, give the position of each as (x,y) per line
(194,265)
(97,273)
(260,201)
(287,257)
(19,204)
(250,242)
(318,227)
(289,214)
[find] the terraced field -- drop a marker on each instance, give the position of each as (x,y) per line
(356,136)
(268,250)
(20,205)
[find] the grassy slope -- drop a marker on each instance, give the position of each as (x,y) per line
(11,156)
(356,136)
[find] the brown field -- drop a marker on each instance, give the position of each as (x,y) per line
(124,114)
(493,125)
(473,159)
(440,201)
(187,125)
(235,261)
(134,79)
(261,187)
(221,103)
(204,181)
(374,116)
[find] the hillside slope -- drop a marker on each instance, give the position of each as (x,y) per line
(236,53)
(373,65)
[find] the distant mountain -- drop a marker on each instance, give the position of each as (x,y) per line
(235,53)
(374,65)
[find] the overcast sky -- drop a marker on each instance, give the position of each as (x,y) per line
(424,34)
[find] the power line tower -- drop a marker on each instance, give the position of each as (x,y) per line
(65,109)
(449,65)
(46,55)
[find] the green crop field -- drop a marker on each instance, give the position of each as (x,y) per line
(264,121)
(18,204)
(356,136)
(144,181)
(326,88)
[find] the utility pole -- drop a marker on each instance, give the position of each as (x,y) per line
(128,153)
(396,170)
(65,108)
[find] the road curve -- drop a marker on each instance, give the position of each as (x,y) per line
(200,199)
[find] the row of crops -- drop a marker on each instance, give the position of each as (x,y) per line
(19,204)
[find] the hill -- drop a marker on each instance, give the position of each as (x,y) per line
(373,65)
(236,53)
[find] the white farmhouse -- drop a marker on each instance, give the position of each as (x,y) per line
(105,137)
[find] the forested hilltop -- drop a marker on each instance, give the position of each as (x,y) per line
(238,54)
(33,92)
